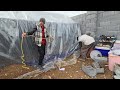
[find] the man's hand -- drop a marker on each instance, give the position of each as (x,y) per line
(24,34)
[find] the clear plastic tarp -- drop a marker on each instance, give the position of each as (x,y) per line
(64,43)
(35,16)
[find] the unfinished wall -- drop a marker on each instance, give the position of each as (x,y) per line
(100,22)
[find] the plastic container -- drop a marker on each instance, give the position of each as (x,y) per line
(104,50)
(112,59)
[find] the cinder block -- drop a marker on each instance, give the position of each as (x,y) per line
(88,21)
(95,65)
(103,19)
(105,13)
(84,29)
(83,16)
(114,17)
(104,23)
(108,13)
(83,23)
(93,20)
(116,77)
(88,29)
(101,11)
(91,25)
(93,29)
(89,70)
(111,17)
(91,16)
(111,12)
(115,22)
(117,12)
(100,15)
(101,29)
(113,32)
(103,32)
(100,70)
(82,26)
(113,28)
(118,35)
(91,12)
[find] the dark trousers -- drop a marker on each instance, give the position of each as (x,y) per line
(86,49)
(41,50)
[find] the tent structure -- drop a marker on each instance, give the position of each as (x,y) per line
(13,23)
(35,16)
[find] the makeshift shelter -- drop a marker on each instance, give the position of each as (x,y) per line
(13,23)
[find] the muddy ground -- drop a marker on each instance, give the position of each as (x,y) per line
(70,72)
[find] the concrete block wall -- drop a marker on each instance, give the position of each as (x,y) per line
(100,22)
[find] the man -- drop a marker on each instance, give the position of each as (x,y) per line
(87,43)
(40,39)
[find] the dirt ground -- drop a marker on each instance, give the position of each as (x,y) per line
(13,71)
(70,72)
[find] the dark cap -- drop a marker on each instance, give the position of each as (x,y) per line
(42,20)
(88,33)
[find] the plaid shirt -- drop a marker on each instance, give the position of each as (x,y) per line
(40,36)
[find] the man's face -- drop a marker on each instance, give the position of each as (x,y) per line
(41,23)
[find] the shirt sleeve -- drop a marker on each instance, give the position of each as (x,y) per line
(80,39)
(47,35)
(33,31)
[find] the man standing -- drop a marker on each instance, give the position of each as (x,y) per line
(40,38)
(86,44)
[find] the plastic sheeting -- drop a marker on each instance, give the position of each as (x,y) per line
(64,43)
(35,16)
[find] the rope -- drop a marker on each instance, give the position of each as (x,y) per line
(22,57)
